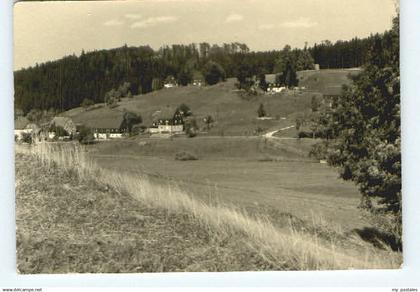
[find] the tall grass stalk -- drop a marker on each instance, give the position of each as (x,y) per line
(292,250)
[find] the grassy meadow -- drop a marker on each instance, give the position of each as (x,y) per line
(326,81)
(88,200)
(252,174)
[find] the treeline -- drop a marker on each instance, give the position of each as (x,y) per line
(65,83)
(344,54)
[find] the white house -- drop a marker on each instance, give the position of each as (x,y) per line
(167,121)
(107,127)
(273,86)
(20,127)
(197,82)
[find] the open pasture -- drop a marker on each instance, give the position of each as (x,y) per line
(273,178)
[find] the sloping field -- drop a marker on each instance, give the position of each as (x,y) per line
(233,115)
(326,81)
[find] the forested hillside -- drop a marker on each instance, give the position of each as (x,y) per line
(65,83)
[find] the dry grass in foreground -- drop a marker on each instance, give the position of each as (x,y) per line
(255,238)
(65,225)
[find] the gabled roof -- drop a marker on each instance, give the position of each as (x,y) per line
(113,120)
(164,114)
(21,123)
(105,122)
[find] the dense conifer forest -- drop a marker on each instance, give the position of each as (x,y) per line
(65,83)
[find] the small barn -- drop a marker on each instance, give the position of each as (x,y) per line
(167,121)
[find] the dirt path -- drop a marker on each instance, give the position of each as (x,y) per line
(270,134)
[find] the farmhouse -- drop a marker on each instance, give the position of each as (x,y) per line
(272,85)
(167,121)
(106,127)
(21,124)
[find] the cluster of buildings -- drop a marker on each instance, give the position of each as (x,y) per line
(103,127)
(60,128)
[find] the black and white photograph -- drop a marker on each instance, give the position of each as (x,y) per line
(156,136)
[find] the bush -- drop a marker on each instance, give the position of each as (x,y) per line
(129,120)
(184,156)
(27,138)
(85,136)
(58,130)
(261,111)
(86,103)
(191,127)
(138,129)
(318,151)
(213,73)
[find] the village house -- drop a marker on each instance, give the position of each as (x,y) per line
(197,82)
(272,85)
(107,127)
(167,121)
(170,82)
(21,124)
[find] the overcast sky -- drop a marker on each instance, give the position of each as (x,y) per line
(50,30)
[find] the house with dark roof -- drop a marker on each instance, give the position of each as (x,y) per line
(107,127)
(167,120)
